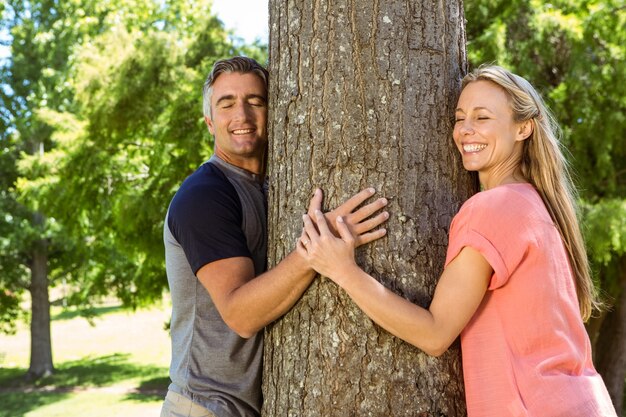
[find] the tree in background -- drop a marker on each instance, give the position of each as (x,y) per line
(575,52)
(100,119)
(363,94)
(101,116)
(32,78)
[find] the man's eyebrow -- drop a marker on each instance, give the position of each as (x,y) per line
(229,97)
(260,97)
(225,98)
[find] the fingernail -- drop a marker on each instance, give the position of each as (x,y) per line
(372,190)
(304,217)
(317,212)
(383,231)
(340,219)
(386,215)
(384,201)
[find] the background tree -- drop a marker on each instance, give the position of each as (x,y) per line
(101,104)
(574,51)
(362,95)
(31,79)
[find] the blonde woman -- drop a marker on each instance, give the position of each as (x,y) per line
(516,283)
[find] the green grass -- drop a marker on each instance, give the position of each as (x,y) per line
(92,404)
(114,364)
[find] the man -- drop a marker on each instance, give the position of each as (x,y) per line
(215,247)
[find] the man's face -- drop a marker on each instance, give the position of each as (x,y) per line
(239,119)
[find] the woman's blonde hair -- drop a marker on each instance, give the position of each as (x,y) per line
(545,167)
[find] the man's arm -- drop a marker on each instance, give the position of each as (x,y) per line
(247,304)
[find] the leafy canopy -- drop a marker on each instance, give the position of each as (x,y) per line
(102,119)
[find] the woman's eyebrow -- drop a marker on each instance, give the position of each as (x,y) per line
(475,108)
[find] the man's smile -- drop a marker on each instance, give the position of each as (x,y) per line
(243,131)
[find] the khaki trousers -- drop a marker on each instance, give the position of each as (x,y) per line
(176,405)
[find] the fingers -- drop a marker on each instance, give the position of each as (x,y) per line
(301,248)
(344,231)
(367,210)
(310,234)
(371,223)
(356,200)
(309,229)
(369,237)
(316,202)
(321,223)
(303,240)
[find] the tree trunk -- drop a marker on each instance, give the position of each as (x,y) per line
(40,341)
(363,94)
(611,348)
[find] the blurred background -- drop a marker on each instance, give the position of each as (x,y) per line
(101,120)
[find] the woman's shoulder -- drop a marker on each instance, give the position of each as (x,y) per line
(505,195)
(505,202)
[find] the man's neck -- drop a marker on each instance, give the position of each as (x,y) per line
(253,165)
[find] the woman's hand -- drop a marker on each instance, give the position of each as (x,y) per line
(330,256)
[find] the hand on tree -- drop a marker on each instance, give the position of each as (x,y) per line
(327,254)
(360,223)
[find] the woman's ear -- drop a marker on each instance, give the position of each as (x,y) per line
(525,130)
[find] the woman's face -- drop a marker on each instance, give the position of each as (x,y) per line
(486,134)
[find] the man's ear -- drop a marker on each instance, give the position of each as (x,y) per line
(526,129)
(209,124)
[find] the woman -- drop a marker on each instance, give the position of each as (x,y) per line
(516,284)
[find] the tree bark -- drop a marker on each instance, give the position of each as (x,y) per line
(611,348)
(363,94)
(40,341)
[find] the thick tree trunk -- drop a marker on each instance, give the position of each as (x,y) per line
(362,94)
(40,341)
(611,348)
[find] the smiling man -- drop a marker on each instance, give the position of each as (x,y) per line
(215,237)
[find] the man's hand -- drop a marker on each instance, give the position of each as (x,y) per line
(360,223)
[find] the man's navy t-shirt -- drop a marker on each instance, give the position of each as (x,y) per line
(219,212)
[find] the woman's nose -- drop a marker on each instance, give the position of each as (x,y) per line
(465,127)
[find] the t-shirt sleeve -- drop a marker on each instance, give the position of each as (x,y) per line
(206,221)
(491,228)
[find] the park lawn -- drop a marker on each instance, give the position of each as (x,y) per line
(117,365)
(92,404)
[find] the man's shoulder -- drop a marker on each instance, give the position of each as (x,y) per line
(206,183)
(206,188)
(207,176)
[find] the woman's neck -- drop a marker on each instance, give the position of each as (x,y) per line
(488,182)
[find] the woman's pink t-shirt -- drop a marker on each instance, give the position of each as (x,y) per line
(525,350)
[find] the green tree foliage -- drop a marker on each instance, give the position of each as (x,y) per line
(102,118)
(574,51)
(13,217)
(32,77)
(137,132)
(606,223)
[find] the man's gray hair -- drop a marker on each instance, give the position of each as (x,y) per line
(239,64)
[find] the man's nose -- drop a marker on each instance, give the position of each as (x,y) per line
(242,111)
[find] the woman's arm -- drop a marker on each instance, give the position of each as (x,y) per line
(459,292)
